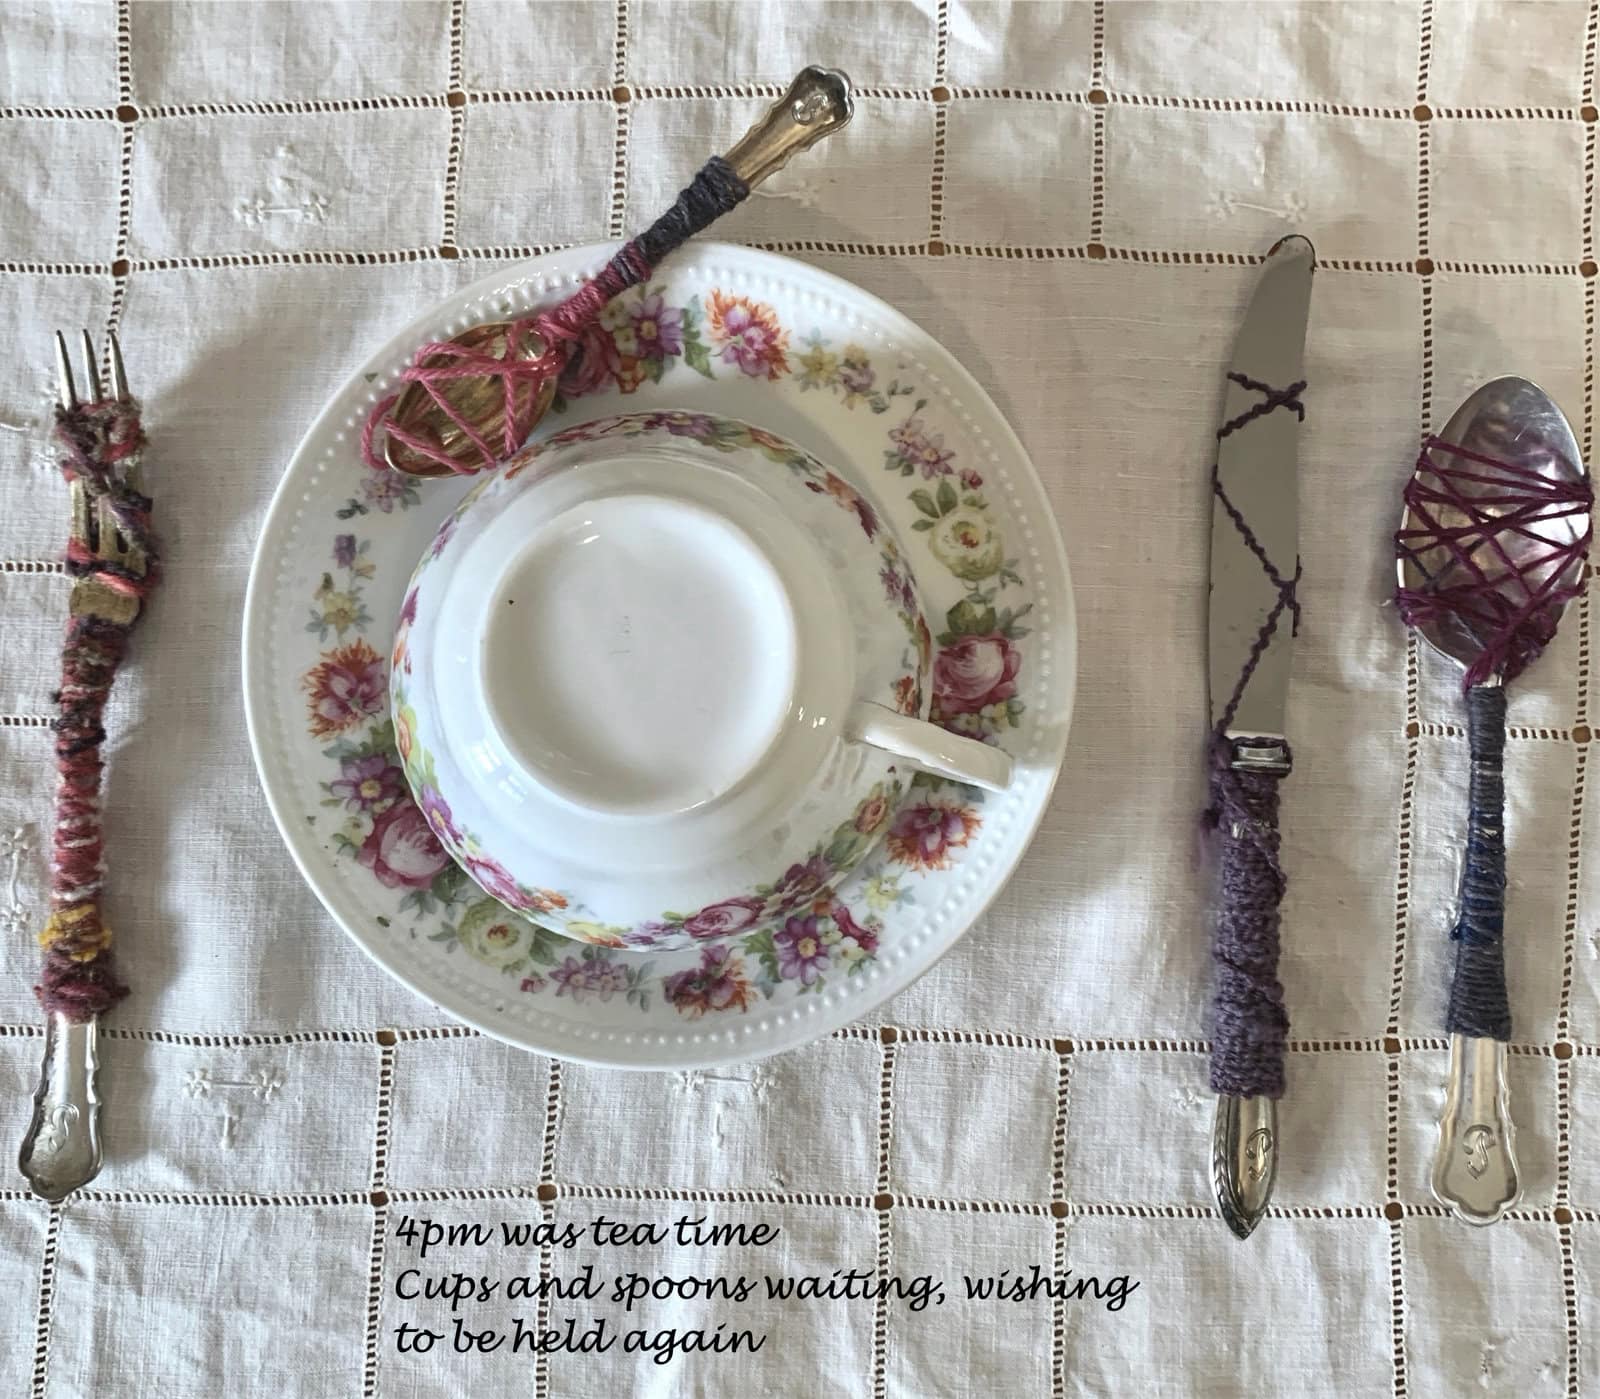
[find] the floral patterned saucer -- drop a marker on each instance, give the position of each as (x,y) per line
(728,331)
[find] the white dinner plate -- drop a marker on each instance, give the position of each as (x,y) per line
(744,334)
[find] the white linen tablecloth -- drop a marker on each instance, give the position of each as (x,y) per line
(1071,198)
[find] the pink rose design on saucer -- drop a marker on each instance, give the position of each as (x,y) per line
(401,850)
(494,879)
(975,672)
(721,919)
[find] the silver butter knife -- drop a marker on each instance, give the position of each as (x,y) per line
(1255,567)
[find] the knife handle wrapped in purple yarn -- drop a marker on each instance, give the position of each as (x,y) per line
(1249,1023)
(1479,1003)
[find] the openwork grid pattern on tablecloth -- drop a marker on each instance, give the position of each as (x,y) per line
(1135,153)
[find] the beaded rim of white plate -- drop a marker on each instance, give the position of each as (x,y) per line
(1008,824)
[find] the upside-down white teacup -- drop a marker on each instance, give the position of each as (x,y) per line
(663,678)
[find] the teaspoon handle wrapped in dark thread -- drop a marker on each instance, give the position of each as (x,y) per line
(1479,1004)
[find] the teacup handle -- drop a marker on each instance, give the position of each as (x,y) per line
(929,747)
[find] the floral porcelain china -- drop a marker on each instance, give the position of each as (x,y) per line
(736,334)
(664,674)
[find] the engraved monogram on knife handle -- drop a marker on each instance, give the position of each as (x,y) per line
(1254,613)
(1244,1159)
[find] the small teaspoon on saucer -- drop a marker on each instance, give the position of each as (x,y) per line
(818,102)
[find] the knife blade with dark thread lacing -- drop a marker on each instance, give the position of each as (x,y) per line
(1254,615)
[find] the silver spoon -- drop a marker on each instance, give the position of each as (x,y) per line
(1513,421)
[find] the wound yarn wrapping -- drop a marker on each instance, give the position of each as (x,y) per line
(1250,1024)
(1495,574)
(99,441)
(1479,1002)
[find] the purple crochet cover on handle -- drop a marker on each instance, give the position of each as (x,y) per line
(1249,1022)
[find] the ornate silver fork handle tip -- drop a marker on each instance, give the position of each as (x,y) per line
(62,1149)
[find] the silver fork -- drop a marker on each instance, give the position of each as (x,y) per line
(62,1150)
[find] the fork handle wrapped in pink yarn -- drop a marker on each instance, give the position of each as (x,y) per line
(99,441)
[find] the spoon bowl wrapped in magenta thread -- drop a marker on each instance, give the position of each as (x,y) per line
(1493,546)
(1496,531)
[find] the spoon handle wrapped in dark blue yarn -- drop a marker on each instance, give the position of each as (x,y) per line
(1479,1005)
(1475,1163)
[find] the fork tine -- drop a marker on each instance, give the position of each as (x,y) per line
(80,515)
(108,542)
(119,374)
(66,393)
(91,370)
